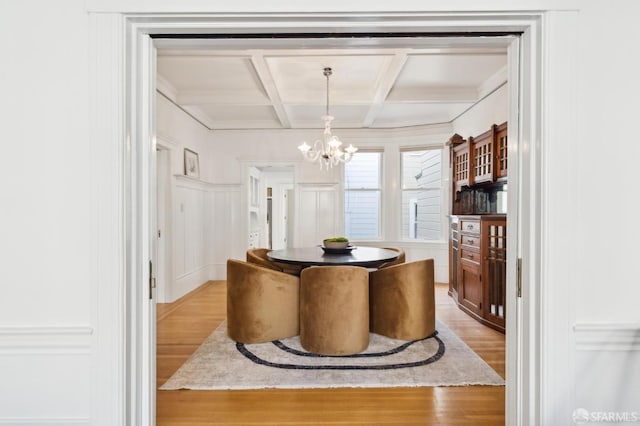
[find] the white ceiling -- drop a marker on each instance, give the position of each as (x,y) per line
(386,87)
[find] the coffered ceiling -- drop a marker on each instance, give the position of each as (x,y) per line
(369,88)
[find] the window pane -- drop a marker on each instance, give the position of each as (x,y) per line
(421,169)
(421,204)
(363,171)
(421,218)
(362,196)
(362,216)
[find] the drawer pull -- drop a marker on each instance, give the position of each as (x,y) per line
(469,226)
(470,256)
(471,241)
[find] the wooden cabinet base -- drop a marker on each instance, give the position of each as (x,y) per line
(479,318)
(478,273)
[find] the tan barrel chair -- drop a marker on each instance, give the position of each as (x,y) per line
(334,309)
(401,257)
(259,256)
(402,300)
(262,304)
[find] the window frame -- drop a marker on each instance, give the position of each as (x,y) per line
(379,189)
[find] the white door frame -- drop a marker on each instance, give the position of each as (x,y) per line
(164,257)
(122,93)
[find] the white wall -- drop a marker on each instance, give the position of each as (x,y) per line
(494,109)
(203,218)
(46,218)
(604,194)
(48,272)
(175,130)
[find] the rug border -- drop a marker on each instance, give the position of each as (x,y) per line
(241,387)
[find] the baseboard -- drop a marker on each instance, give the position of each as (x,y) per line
(218,271)
(188,282)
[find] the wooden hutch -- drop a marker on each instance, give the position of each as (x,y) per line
(478,228)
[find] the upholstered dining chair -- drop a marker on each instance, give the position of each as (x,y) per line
(402,300)
(262,304)
(258,256)
(401,257)
(334,309)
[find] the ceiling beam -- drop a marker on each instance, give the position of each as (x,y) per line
(439,94)
(222,97)
(262,70)
(384,86)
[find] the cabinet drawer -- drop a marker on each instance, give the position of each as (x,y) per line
(470,226)
(470,257)
(471,240)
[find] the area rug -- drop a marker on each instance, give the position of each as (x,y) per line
(439,360)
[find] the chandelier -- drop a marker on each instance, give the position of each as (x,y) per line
(328,150)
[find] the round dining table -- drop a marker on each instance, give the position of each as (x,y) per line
(368,257)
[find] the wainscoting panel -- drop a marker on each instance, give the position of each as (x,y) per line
(607,358)
(316,214)
(223,229)
(42,375)
(206,224)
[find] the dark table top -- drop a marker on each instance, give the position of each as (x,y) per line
(368,257)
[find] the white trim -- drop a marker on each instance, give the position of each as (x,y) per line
(141,225)
(107,56)
(166,142)
(493,83)
(336,6)
(514,329)
(556,141)
(45,340)
(43,421)
(320,186)
(189,182)
(166,88)
(109,385)
(194,272)
(608,336)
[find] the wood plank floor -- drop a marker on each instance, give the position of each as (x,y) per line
(184,324)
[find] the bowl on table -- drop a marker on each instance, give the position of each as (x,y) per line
(338,245)
(335,244)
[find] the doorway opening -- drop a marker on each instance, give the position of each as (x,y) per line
(138,351)
(270,213)
(266,225)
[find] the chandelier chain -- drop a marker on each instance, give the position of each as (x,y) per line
(327,73)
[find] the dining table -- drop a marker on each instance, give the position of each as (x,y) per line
(367,257)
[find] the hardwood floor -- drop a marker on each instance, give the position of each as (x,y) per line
(184,324)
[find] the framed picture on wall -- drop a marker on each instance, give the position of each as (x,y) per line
(191,163)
